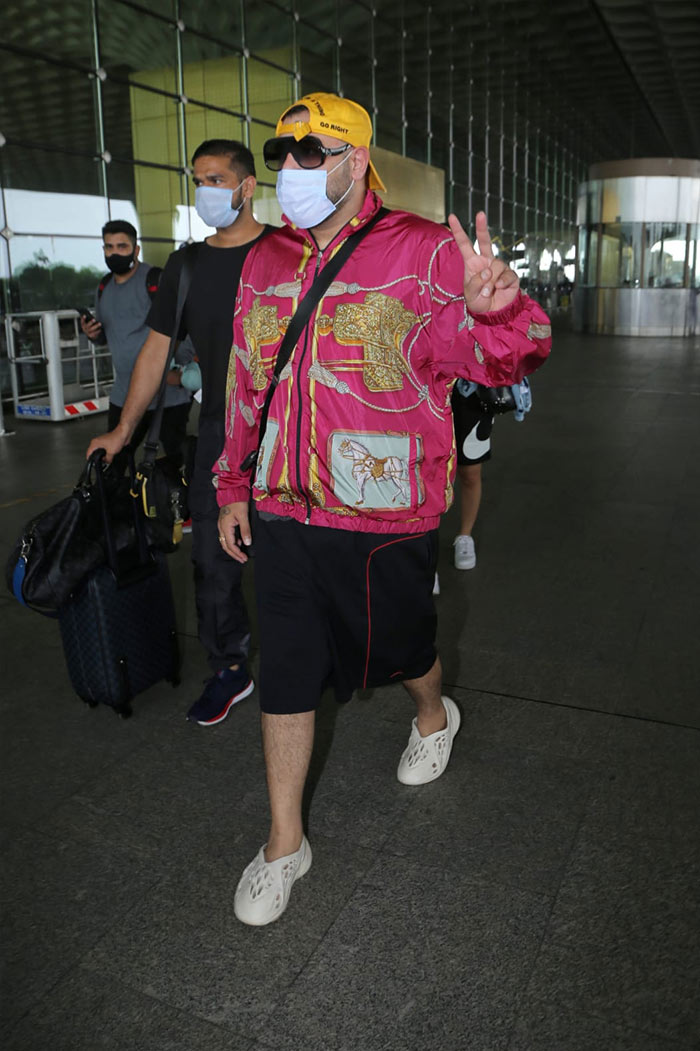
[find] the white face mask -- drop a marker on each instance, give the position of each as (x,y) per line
(302,196)
(213,205)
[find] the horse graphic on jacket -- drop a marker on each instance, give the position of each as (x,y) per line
(367,467)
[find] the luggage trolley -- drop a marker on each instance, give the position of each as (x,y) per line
(56,373)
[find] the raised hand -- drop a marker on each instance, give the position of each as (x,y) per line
(489,283)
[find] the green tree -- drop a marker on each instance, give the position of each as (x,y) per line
(41,285)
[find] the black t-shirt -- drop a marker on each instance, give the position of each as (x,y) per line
(208,314)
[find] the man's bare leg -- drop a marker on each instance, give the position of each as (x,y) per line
(287,742)
(426,692)
(469,496)
(429,747)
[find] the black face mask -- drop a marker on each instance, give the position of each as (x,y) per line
(119,264)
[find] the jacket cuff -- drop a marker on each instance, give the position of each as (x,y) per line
(500,317)
(232,494)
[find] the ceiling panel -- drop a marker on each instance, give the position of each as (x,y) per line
(606,79)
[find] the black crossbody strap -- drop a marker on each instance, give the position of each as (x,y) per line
(183,286)
(301,316)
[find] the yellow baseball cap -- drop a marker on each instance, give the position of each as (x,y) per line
(331,115)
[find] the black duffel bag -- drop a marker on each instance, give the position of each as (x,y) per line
(60,547)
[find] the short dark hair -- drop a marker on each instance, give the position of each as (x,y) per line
(237,153)
(294,111)
(120,226)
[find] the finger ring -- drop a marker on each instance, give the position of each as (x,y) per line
(222,538)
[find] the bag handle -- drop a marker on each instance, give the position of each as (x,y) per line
(300,318)
(95,465)
(90,467)
(183,286)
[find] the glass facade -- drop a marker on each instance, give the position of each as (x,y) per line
(665,255)
(639,255)
(638,248)
(621,255)
(694,255)
(646,226)
(104,102)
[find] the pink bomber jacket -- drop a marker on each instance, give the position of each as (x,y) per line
(360,433)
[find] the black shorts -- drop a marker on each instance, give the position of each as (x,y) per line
(339,608)
(472,429)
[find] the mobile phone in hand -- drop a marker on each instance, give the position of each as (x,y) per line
(86,314)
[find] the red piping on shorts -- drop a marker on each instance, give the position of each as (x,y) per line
(399,540)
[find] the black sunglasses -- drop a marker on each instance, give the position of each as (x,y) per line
(308,152)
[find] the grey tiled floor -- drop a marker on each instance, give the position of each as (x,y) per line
(544,895)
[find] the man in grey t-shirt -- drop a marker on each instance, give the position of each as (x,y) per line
(123,302)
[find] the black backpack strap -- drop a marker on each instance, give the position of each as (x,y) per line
(183,287)
(301,317)
(153,280)
(103,284)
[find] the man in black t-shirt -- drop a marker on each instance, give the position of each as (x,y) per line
(224,176)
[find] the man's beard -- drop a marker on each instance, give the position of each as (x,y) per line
(340,193)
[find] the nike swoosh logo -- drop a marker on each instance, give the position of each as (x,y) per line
(474,447)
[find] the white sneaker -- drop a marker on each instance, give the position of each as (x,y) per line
(436,585)
(263,890)
(465,555)
(425,758)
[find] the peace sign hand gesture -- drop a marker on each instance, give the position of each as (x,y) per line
(489,284)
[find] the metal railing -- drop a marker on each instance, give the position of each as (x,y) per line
(56,373)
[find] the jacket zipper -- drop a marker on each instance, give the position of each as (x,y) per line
(303,492)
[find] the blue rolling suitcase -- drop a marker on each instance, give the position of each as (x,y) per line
(119,635)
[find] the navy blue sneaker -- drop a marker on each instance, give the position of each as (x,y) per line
(221,692)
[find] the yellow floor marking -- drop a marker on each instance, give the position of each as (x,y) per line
(34,496)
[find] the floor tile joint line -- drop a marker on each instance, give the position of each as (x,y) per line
(570,707)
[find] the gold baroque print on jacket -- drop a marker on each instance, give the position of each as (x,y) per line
(286,290)
(230,384)
(317,495)
(536,331)
(379,326)
(261,327)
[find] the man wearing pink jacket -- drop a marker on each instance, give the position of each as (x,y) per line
(358,457)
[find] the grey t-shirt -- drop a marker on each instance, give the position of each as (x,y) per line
(122,309)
